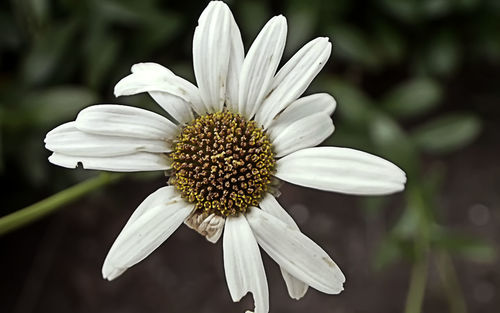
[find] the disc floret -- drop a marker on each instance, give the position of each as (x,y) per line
(222,163)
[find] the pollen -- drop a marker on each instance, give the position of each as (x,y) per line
(222,163)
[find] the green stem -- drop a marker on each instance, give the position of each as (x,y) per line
(450,283)
(51,204)
(421,246)
(418,281)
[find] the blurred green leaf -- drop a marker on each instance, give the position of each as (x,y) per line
(391,142)
(373,205)
(486,43)
(389,43)
(347,136)
(40,10)
(123,11)
(352,44)
(101,54)
(470,247)
(50,107)
(253,15)
(468,4)
(44,59)
(158,30)
(412,98)
(9,36)
(443,54)
(405,10)
(408,224)
(353,105)
(388,252)
(36,156)
(435,176)
(448,133)
(61,103)
(436,8)
(301,24)
(392,249)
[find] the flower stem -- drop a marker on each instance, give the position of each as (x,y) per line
(51,204)
(418,281)
(450,283)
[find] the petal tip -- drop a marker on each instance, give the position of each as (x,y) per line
(119,90)
(279,19)
(111,273)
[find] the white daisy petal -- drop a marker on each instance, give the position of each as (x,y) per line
(174,94)
(243,264)
(260,65)
(211,53)
(295,252)
(157,198)
(67,139)
(177,107)
(296,288)
(144,234)
(270,205)
(235,64)
(294,78)
(140,161)
(300,108)
(121,120)
(342,170)
(307,132)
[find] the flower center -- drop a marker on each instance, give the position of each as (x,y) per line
(222,163)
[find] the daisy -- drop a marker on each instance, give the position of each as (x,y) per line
(236,135)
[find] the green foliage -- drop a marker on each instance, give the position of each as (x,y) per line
(472,248)
(353,45)
(413,98)
(447,133)
(393,143)
(353,105)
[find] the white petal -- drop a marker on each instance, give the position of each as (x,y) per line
(211,53)
(260,65)
(295,252)
(235,63)
(307,132)
(121,120)
(342,170)
(144,234)
(67,139)
(177,107)
(294,78)
(243,264)
(300,108)
(140,161)
(174,94)
(157,198)
(270,205)
(210,226)
(296,288)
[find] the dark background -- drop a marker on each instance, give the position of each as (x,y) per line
(416,82)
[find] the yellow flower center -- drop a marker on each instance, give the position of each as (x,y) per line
(222,163)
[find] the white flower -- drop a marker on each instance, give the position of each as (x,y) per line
(243,128)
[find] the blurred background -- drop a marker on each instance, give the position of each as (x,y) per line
(417,82)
